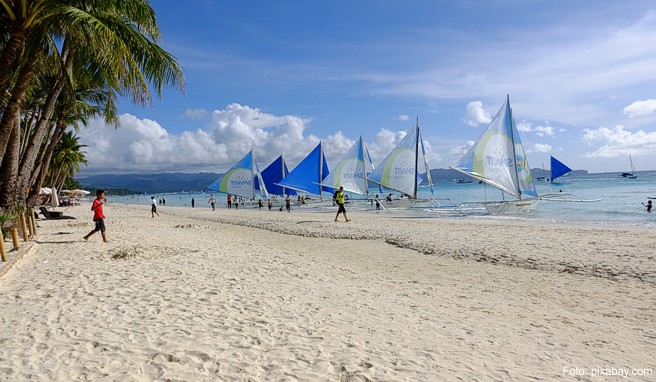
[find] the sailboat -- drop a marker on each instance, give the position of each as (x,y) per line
(399,171)
(558,169)
(632,174)
(308,176)
(499,160)
(243,179)
(352,170)
(273,174)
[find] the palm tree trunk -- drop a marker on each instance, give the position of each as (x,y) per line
(37,181)
(11,55)
(9,170)
(32,150)
(8,123)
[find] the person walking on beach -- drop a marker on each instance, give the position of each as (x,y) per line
(259,203)
(193,202)
(212,201)
(270,204)
(648,205)
(229,201)
(153,207)
(339,199)
(377,202)
(98,216)
(288,203)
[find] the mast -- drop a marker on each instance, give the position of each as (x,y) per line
(282,171)
(512,136)
(364,168)
(416,157)
(320,168)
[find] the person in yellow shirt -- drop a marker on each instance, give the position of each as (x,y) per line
(339,199)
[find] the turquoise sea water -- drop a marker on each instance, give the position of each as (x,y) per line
(620,203)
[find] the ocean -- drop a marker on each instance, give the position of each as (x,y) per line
(620,203)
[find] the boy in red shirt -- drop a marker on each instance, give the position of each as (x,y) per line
(98,216)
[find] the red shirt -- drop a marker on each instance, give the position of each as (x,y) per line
(97,209)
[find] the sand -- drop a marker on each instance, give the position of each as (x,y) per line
(201,295)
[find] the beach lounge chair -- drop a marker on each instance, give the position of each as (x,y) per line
(53,215)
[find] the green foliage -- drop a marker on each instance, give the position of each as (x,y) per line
(4,218)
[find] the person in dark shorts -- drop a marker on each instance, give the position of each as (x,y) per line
(153,206)
(288,203)
(98,216)
(339,199)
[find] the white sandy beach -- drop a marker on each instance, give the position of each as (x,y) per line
(197,295)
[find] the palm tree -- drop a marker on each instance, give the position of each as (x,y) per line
(66,160)
(116,38)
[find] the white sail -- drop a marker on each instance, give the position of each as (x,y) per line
(498,158)
(399,170)
(241,179)
(351,171)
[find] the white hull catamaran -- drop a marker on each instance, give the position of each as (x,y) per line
(498,159)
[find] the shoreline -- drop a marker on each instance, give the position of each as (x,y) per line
(202,295)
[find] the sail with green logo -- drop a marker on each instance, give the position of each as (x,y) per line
(352,170)
(243,179)
(399,171)
(498,159)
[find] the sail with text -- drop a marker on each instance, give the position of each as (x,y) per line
(498,157)
(352,170)
(399,171)
(243,179)
(308,176)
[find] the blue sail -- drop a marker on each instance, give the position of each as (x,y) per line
(558,168)
(309,175)
(274,173)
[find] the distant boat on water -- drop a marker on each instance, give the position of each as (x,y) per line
(632,174)
(558,169)
(462,180)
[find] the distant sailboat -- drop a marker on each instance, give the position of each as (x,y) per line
(558,169)
(632,174)
(498,159)
(352,170)
(308,176)
(274,173)
(241,179)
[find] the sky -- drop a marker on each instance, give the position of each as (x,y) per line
(280,76)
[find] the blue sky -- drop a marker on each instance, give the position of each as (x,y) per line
(278,76)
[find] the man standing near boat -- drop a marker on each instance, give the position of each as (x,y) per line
(339,199)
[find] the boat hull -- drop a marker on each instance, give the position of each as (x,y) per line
(510,207)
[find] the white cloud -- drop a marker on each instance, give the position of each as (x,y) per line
(527,127)
(403,117)
(640,108)
(620,142)
(462,149)
(143,145)
(476,115)
(196,114)
(539,148)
